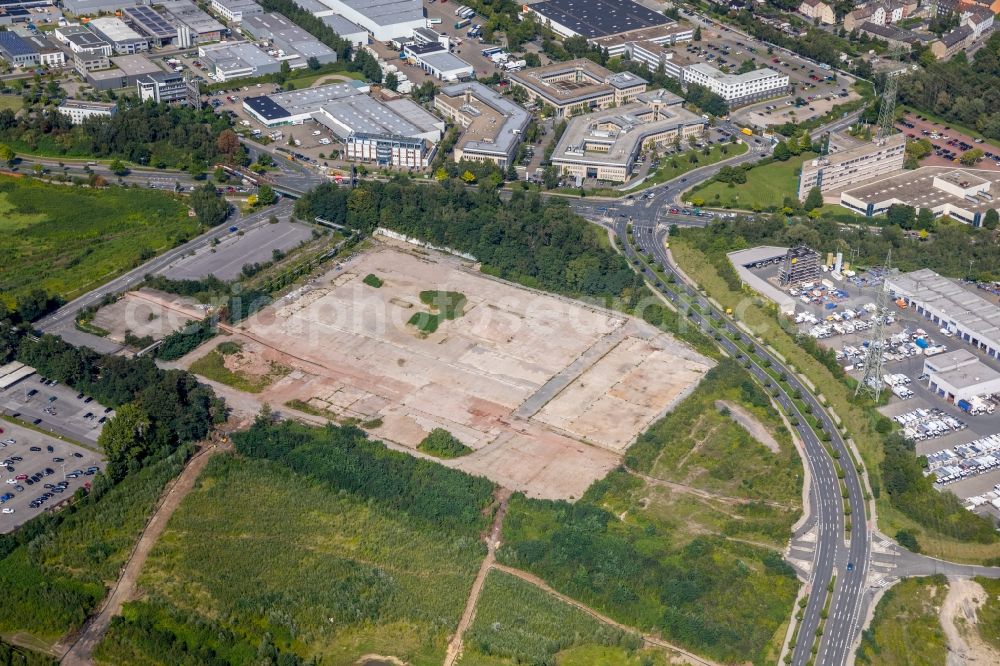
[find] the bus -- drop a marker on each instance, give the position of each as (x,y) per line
(747,131)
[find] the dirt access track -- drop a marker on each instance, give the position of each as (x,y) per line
(549,392)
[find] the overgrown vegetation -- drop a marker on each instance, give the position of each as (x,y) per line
(326,565)
(444,306)
(944,528)
(373,280)
(213,366)
(11,655)
(55,569)
(65,240)
(906,628)
(519,622)
(442,444)
(179,343)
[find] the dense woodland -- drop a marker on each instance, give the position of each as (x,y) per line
(16,656)
(345,458)
(147,134)
(165,407)
(960,90)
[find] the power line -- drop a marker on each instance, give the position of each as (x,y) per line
(871,374)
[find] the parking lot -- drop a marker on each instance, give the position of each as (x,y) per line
(55,408)
(36,465)
(948,143)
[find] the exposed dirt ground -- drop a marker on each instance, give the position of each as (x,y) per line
(147,312)
(548,391)
(750,423)
(958,619)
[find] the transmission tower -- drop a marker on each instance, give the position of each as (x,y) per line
(871,373)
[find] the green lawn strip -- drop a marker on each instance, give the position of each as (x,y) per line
(337,577)
(766,187)
(11,102)
(906,629)
(672,166)
(67,240)
(519,623)
(442,444)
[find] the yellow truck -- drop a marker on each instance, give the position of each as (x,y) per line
(747,131)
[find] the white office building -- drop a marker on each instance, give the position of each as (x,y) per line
(79,110)
(737,89)
(235,10)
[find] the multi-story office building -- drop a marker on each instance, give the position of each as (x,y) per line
(844,168)
(493,125)
(235,11)
(123,39)
(578,86)
(737,89)
(79,110)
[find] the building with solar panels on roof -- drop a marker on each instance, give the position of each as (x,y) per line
(17,50)
(151,24)
(394,132)
(594,18)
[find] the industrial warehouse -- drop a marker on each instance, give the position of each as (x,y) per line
(962,194)
(493,124)
(605,144)
(594,18)
(955,309)
(395,132)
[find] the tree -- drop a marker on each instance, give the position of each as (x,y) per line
(781,152)
(468,176)
(7,155)
(970,157)
(209,206)
(118,167)
(313,63)
(228,143)
(902,216)
(220,175)
(991,219)
(124,438)
(925,219)
(697,34)
(34,304)
(814,199)
(266,195)
(392,81)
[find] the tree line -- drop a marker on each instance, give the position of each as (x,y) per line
(148,134)
(345,458)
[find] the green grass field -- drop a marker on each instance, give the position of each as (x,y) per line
(67,240)
(906,629)
(668,171)
(517,623)
(766,187)
(11,102)
(259,548)
(988,615)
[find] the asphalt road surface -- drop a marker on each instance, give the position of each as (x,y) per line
(63,319)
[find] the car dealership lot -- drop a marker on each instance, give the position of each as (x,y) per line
(44,461)
(55,408)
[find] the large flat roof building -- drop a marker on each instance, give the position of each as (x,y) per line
(151,24)
(604,145)
(194,26)
(123,39)
(94,7)
(229,61)
(858,162)
(438,61)
(959,375)
(962,194)
(594,18)
(578,84)
(347,29)
(737,89)
(384,19)
(493,124)
(667,34)
(126,70)
(291,43)
(17,50)
(81,40)
(397,132)
(951,306)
